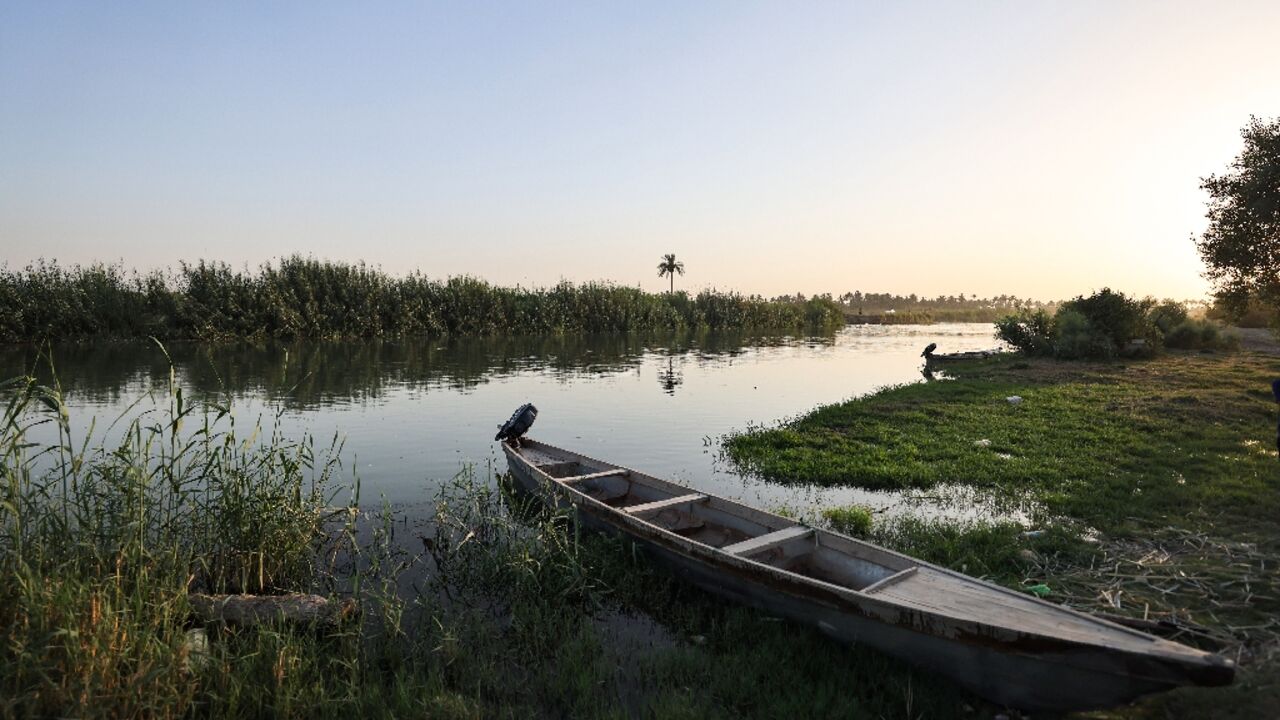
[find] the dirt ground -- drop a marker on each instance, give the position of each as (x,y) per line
(1258,340)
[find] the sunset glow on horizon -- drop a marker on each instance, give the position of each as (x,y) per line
(1036,149)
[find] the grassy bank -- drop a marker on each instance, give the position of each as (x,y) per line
(303,297)
(1155,483)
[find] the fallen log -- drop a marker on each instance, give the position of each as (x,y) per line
(250,610)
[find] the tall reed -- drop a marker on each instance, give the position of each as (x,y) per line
(305,297)
(99,546)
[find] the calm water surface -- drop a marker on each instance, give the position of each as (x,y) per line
(414,413)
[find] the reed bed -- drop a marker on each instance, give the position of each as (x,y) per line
(99,547)
(299,297)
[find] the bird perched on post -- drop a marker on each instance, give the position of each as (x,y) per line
(928,350)
(519,424)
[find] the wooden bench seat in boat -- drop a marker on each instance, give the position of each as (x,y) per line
(768,540)
(615,472)
(660,505)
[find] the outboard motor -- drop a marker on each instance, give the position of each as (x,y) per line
(519,424)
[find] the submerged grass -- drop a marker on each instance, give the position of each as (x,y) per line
(304,297)
(1154,485)
(849,519)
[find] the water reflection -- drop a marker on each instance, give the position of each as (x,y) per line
(309,375)
(670,378)
(412,413)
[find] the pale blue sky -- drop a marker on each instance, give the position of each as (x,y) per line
(1041,149)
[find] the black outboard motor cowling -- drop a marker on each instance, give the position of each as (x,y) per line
(519,424)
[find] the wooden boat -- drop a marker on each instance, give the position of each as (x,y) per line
(1011,648)
(967,355)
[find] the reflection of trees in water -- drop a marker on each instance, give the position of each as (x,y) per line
(670,378)
(304,374)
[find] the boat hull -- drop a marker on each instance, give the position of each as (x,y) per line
(1028,673)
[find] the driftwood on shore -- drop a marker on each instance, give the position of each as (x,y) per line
(249,610)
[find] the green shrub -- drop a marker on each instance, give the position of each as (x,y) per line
(1114,321)
(1200,335)
(1074,338)
(1028,332)
(850,519)
(1167,315)
(1101,326)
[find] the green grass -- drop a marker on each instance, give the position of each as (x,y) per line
(1153,440)
(303,297)
(850,519)
(1139,475)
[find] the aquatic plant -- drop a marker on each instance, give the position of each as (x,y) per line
(299,297)
(100,546)
(852,520)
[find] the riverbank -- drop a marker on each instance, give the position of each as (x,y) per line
(488,610)
(1153,485)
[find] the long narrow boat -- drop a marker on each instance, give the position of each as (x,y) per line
(1011,648)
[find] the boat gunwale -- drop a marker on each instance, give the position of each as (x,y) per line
(880,608)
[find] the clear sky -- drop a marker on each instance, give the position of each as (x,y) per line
(1033,148)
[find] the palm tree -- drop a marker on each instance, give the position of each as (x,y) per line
(669,267)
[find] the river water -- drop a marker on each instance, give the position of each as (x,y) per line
(414,413)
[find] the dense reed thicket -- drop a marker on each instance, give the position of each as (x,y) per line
(99,547)
(305,297)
